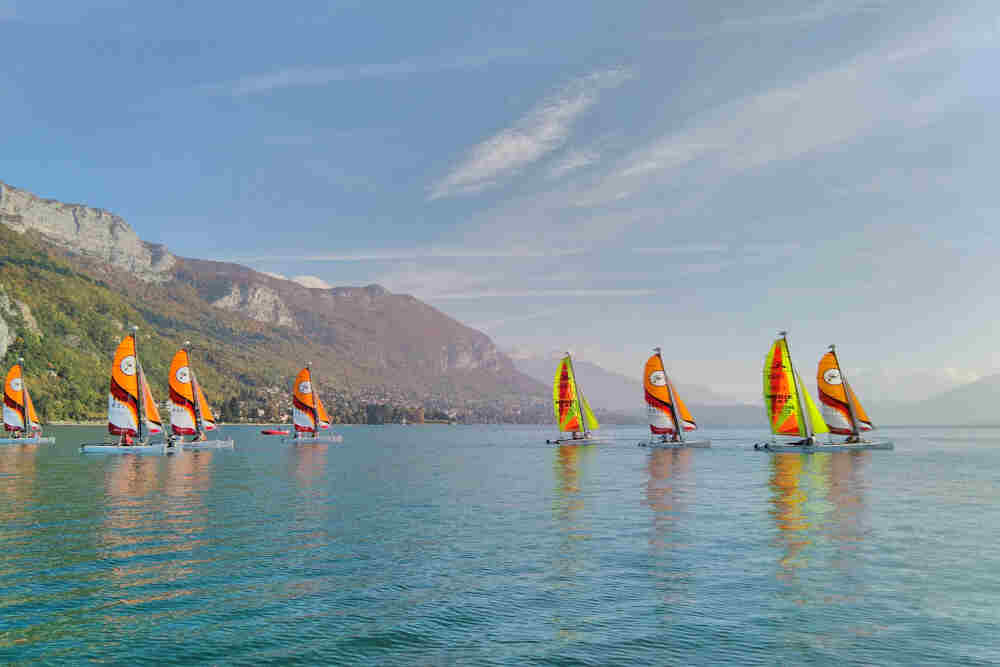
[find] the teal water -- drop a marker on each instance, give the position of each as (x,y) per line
(482,545)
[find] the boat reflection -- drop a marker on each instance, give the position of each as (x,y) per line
(567,507)
(817,501)
(667,470)
(17,480)
(309,462)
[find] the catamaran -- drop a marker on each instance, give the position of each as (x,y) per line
(666,409)
(791,411)
(190,413)
(308,414)
(842,410)
(19,416)
(132,412)
(573,413)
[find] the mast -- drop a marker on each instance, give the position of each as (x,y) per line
(315,391)
(138,381)
(579,396)
(847,393)
(25,419)
(806,423)
(678,427)
(194,390)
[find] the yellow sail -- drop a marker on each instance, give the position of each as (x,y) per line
(815,418)
(564,397)
(780,397)
(592,424)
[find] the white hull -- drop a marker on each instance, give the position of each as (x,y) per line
(667,444)
(209,444)
(28,441)
(318,440)
(824,447)
(575,441)
(105,448)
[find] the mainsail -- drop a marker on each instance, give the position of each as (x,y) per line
(573,413)
(842,410)
(189,411)
(790,409)
(128,384)
(18,410)
(664,406)
(308,412)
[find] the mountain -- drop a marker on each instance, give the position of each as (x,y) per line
(970,404)
(72,277)
(610,391)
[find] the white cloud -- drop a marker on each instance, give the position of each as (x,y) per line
(574,160)
(313,282)
(544,129)
(297,77)
(393,255)
(275,275)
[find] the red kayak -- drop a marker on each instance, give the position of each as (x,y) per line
(274,431)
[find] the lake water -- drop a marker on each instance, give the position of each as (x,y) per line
(483,545)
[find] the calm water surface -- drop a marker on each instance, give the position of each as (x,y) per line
(482,545)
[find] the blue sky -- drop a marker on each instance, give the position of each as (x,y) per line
(602,177)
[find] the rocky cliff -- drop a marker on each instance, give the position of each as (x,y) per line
(91,232)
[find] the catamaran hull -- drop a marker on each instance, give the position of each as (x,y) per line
(209,444)
(660,444)
(823,447)
(319,440)
(575,441)
(27,441)
(104,448)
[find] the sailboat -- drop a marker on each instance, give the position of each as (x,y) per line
(308,414)
(573,413)
(791,411)
(842,410)
(132,412)
(190,413)
(666,409)
(19,415)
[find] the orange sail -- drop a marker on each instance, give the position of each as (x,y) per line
(564,397)
(324,418)
(18,410)
(152,414)
(662,400)
(780,395)
(303,404)
(842,410)
(183,419)
(123,397)
(207,418)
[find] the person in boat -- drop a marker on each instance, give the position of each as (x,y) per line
(853,439)
(125,440)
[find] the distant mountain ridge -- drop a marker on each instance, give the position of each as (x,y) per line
(363,340)
(970,404)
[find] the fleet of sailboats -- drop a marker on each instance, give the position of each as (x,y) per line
(19,418)
(792,414)
(134,419)
(669,418)
(573,413)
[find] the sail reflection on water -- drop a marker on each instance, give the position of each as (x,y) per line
(665,491)
(817,502)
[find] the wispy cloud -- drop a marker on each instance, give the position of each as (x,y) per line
(515,252)
(540,132)
(297,77)
(810,13)
(573,161)
(561,293)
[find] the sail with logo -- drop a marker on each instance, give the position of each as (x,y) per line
(19,418)
(842,410)
(132,413)
(572,412)
(791,412)
(669,417)
(309,416)
(190,413)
